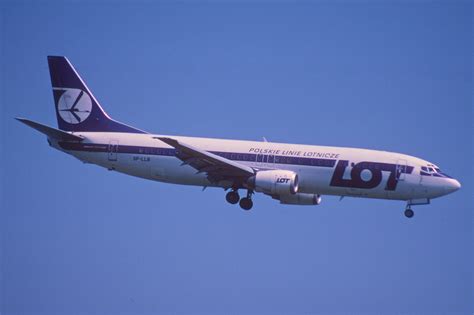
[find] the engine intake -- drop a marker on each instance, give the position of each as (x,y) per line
(275,182)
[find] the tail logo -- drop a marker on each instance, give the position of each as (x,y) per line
(74,105)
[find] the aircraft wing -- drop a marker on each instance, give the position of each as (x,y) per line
(49,131)
(216,167)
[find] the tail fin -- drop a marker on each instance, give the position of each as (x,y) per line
(76,107)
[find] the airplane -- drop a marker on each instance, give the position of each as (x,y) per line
(293,174)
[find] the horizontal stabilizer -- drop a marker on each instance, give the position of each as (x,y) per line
(49,131)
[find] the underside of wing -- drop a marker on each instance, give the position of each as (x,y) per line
(216,167)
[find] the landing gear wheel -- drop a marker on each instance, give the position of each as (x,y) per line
(409,213)
(232,197)
(246,203)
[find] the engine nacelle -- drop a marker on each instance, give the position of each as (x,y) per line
(300,199)
(275,182)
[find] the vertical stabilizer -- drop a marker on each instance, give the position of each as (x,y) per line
(76,107)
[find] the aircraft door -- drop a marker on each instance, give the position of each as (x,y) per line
(112,150)
(400,169)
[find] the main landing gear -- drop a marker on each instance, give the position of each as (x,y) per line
(245,203)
(232,197)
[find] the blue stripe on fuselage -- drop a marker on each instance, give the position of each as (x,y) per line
(234,156)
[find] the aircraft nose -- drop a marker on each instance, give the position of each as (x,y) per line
(452,185)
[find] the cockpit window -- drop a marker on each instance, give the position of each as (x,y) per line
(441,173)
(432,170)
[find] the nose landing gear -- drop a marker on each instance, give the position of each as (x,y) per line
(409,213)
(415,202)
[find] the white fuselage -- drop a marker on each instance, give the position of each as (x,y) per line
(322,170)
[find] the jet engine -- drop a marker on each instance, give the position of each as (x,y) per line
(299,199)
(275,182)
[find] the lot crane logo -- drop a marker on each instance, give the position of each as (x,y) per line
(74,105)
